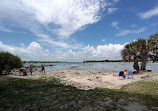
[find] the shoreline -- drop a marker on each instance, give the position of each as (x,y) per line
(88,79)
(104,67)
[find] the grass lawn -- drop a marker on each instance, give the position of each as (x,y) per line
(48,94)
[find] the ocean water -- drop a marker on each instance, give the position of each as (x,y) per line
(103,67)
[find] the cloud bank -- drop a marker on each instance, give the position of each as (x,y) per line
(34,51)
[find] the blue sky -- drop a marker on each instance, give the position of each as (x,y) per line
(74,30)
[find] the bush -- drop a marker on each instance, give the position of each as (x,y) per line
(8,62)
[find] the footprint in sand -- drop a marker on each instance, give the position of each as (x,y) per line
(144,76)
(107,83)
(89,79)
(99,78)
(77,73)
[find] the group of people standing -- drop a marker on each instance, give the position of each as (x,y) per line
(24,70)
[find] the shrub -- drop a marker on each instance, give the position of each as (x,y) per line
(8,62)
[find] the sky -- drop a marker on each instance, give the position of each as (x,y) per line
(74,30)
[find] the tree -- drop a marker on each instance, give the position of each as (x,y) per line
(8,62)
(137,51)
(144,52)
(129,53)
(153,45)
(141,51)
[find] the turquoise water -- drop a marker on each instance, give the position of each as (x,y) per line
(103,67)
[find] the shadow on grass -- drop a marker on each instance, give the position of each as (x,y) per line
(49,94)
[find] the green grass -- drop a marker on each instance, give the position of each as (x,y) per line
(143,87)
(48,94)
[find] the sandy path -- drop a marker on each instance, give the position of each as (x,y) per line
(85,79)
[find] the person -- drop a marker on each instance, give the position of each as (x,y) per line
(30,68)
(21,70)
(125,72)
(121,73)
(129,73)
(25,72)
(43,68)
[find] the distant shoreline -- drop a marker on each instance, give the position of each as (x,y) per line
(93,61)
(43,62)
(103,61)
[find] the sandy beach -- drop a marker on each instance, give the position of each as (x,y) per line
(86,79)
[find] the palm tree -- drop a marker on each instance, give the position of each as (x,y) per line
(144,52)
(129,53)
(141,50)
(137,51)
(153,46)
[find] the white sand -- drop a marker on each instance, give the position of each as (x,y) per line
(84,79)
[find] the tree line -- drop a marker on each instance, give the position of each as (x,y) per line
(103,61)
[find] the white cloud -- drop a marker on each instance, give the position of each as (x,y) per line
(61,44)
(111,10)
(115,1)
(115,24)
(101,52)
(5,30)
(140,30)
(126,32)
(49,17)
(34,51)
(68,15)
(133,25)
(150,13)
(34,45)
(111,51)
(46,39)
(103,40)
(22,44)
